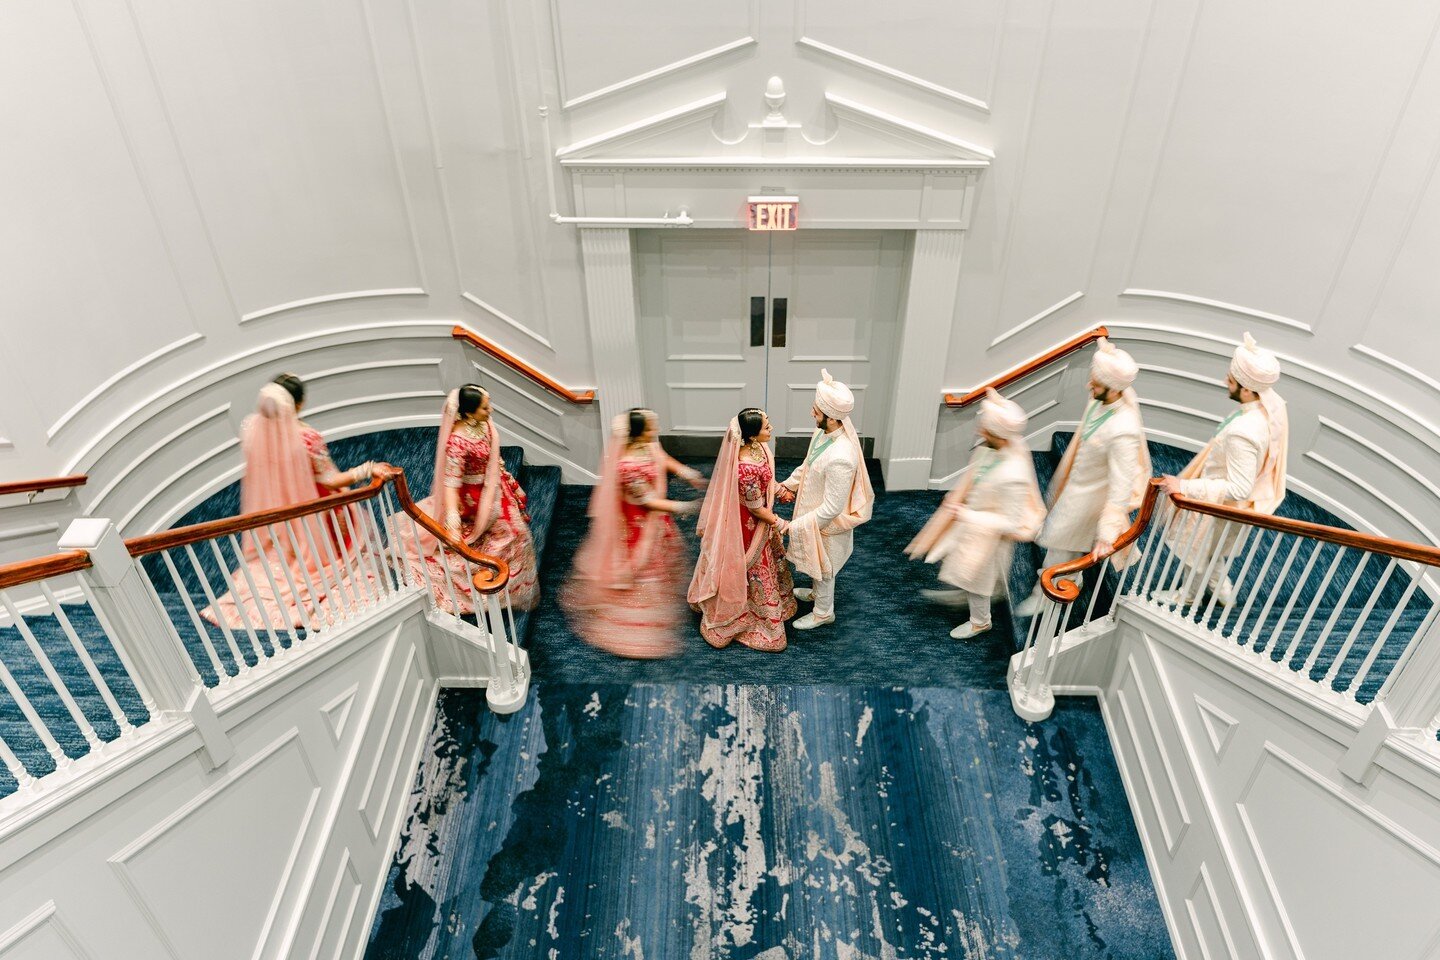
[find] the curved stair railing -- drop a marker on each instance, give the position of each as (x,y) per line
(955,399)
(149,654)
(1336,610)
(577,396)
(36,487)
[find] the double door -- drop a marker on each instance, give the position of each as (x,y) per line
(733,319)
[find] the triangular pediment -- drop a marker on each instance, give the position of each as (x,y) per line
(710,133)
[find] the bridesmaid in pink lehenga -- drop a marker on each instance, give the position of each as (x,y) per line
(742,585)
(479,502)
(286,462)
(625,594)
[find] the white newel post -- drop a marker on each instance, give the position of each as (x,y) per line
(610,296)
(1408,703)
(143,630)
(924,351)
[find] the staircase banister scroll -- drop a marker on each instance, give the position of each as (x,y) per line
(498,570)
(1024,370)
(1066,591)
(466,335)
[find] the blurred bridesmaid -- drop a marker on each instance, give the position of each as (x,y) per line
(287,462)
(479,503)
(626,590)
(742,585)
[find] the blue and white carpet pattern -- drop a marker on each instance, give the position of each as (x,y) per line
(725,821)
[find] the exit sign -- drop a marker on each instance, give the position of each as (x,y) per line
(773,213)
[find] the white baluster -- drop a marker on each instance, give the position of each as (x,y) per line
(16,768)
(329,567)
(1095,591)
(241,666)
(431,594)
(1241,538)
(52,746)
(345,544)
(43,658)
(1314,605)
(222,676)
(1360,621)
(375,551)
(1364,672)
(263,610)
(1156,542)
(88,662)
(1228,629)
(1188,541)
(240,605)
(1029,696)
(512,696)
(1294,598)
(287,623)
(449,577)
(1271,594)
(332,607)
(1335,612)
(315,615)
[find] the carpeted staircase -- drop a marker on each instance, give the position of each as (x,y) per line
(886,635)
(413,449)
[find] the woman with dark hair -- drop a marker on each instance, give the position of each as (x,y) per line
(286,462)
(625,592)
(478,502)
(742,585)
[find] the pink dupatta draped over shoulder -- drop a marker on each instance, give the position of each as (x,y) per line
(720,581)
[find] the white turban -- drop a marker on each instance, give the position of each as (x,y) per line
(1112,368)
(1254,368)
(833,398)
(1004,418)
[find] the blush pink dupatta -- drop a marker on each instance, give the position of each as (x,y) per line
(604,561)
(278,473)
(719,586)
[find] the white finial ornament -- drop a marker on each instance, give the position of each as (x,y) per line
(775,99)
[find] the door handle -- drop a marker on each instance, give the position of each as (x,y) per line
(777,321)
(757,321)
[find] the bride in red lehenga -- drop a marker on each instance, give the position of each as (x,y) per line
(625,594)
(742,585)
(478,502)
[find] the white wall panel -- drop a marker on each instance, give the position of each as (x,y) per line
(81,256)
(1281,122)
(280,116)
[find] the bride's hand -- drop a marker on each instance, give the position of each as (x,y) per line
(782,526)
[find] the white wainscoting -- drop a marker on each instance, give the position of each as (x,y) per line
(1258,845)
(279,853)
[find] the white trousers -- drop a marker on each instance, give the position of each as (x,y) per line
(824,598)
(980,609)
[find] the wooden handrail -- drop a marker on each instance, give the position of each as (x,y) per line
(210,529)
(1065,591)
(42,568)
(499,570)
(1027,368)
(1399,549)
(36,486)
(520,366)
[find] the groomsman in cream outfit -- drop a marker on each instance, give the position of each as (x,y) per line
(1243,465)
(1103,474)
(996,503)
(832,496)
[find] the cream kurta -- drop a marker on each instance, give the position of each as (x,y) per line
(1002,505)
(1094,504)
(1226,474)
(826,495)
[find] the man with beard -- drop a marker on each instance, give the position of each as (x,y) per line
(832,496)
(1243,465)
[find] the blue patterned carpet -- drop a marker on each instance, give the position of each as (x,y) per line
(868,793)
(696,820)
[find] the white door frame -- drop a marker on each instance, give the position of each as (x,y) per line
(873,171)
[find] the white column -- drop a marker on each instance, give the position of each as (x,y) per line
(1409,707)
(142,628)
(614,338)
(924,348)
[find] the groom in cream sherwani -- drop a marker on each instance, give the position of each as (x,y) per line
(832,495)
